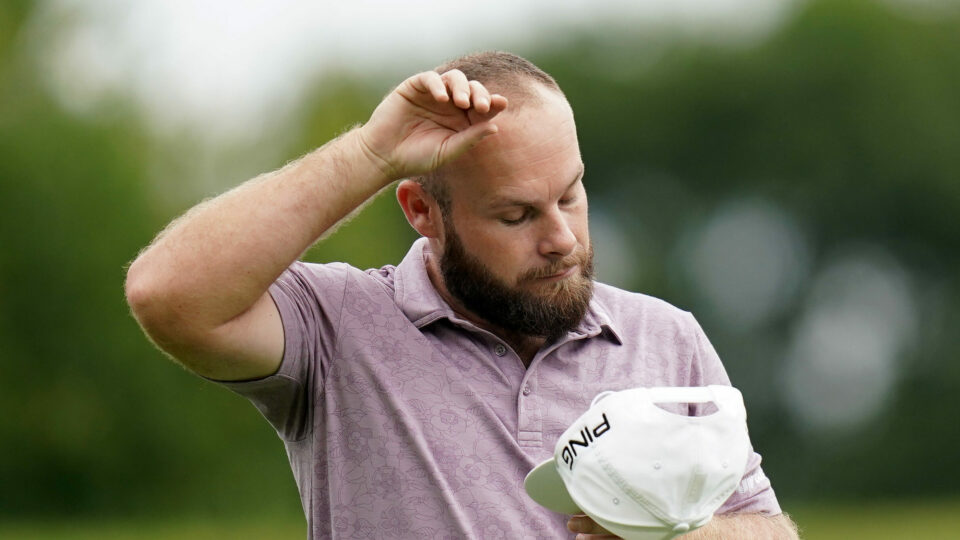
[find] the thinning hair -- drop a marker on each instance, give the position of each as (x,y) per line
(507,74)
(503,73)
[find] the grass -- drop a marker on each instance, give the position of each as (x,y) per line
(930,520)
(191,529)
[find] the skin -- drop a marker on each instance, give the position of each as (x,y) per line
(517,202)
(720,527)
(200,289)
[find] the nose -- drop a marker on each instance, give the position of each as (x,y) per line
(558,239)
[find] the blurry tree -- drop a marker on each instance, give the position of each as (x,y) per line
(94,420)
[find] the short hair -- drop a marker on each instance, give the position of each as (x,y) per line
(502,73)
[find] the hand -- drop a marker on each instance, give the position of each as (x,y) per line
(427,121)
(588,529)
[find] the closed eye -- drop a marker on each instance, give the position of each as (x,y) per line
(518,220)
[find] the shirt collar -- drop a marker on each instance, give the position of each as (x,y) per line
(423,305)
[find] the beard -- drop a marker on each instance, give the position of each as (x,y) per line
(550,314)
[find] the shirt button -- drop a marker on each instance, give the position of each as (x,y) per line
(526,390)
(500,349)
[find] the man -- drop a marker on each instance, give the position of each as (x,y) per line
(413,399)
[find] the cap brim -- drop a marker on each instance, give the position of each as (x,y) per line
(545,486)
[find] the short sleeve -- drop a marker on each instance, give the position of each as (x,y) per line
(755,494)
(309,299)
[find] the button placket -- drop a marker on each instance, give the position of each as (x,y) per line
(529,421)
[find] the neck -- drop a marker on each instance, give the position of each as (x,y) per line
(525,346)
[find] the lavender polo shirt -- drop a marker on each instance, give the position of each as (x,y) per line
(401,419)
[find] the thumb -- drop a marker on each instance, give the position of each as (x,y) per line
(464,140)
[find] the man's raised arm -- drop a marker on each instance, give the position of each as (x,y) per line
(200,289)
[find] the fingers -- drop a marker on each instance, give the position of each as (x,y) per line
(429,82)
(480,97)
(466,139)
(586,526)
(498,104)
(459,87)
(483,102)
(468,95)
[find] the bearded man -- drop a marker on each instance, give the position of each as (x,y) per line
(412,400)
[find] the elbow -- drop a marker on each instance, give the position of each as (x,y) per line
(152,303)
(140,290)
(166,311)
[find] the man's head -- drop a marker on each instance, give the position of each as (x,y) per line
(508,219)
(502,73)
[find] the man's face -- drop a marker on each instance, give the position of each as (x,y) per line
(516,248)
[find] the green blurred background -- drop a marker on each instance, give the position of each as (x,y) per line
(796,187)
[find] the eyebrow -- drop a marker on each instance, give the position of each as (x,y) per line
(500,202)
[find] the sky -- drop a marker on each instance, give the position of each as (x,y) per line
(222,66)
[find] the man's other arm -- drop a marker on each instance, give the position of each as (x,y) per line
(721,527)
(200,289)
(738,526)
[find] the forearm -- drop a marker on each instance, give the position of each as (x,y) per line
(738,526)
(214,262)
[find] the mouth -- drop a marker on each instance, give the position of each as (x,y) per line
(559,276)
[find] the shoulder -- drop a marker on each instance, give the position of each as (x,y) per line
(641,314)
(621,303)
(673,346)
(325,278)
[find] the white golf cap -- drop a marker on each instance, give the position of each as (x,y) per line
(643,472)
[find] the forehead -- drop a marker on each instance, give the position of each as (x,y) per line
(534,153)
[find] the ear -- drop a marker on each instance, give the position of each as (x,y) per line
(422,211)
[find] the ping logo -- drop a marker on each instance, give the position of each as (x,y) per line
(587,436)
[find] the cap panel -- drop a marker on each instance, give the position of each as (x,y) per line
(683,468)
(679,394)
(631,474)
(725,452)
(648,463)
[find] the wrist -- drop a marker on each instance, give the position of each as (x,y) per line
(347,164)
(372,159)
